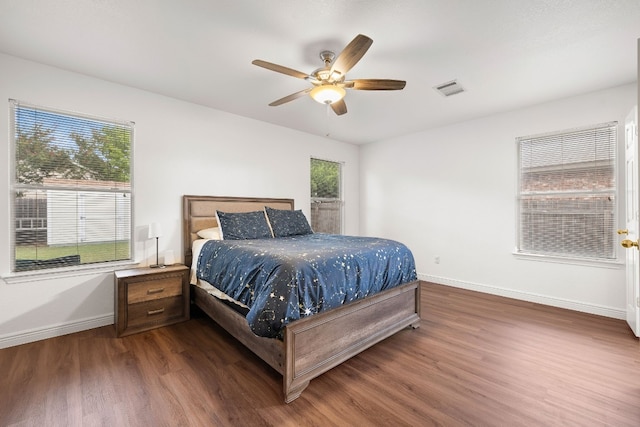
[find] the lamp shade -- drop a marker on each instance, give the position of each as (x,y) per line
(155,230)
(327,93)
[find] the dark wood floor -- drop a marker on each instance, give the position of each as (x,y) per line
(477,360)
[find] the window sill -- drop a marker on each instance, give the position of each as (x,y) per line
(614,263)
(83,270)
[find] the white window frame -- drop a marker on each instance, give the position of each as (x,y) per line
(612,259)
(64,189)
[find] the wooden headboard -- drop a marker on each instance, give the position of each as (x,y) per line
(199,212)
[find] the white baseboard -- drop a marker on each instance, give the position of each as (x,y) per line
(60,329)
(530,297)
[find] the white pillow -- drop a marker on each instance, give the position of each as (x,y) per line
(210,233)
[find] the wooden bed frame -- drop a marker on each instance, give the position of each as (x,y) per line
(312,345)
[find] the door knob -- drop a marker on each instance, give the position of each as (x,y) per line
(629,243)
(625,231)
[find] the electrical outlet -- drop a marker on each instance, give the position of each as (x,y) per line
(437,260)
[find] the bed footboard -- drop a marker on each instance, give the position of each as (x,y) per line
(315,344)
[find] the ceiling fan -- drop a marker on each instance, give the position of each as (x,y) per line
(329,83)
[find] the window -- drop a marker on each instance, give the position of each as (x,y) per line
(567,193)
(70,188)
(326,196)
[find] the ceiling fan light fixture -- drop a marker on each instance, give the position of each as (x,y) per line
(327,94)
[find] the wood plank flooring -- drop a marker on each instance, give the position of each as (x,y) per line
(476,360)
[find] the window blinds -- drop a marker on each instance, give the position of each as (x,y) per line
(567,193)
(71,182)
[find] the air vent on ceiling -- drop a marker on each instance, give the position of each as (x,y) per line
(449,88)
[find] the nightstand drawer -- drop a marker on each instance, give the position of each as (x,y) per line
(149,290)
(158,311)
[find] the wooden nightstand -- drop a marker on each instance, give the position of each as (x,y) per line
(147,298)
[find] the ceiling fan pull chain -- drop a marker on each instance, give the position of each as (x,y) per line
(328,119)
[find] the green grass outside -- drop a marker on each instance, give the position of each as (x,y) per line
(89,253)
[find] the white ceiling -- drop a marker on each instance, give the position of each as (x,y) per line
(507,54)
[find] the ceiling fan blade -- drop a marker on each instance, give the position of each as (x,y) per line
(375,84)
(351,54)
(339,107)
(279,69)
(290,97)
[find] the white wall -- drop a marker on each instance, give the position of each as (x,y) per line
(450,193)
(180,148)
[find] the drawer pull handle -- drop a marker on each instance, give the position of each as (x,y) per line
(152,312)
(155,291)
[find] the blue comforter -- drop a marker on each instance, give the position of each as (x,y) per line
(287,278)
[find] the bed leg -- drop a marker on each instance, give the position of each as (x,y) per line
(415,325)
(293,393)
